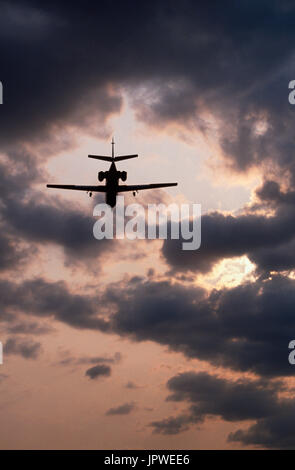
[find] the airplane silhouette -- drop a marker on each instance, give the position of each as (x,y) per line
(112,177)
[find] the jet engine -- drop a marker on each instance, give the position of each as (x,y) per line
(102,175)
(123,175)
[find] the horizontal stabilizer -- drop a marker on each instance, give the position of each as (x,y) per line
(125,157)
(112,159)
(101,157)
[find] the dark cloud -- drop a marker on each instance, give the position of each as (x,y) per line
(33,328)
(210,396)
(61,90)
(263,238)
(69,228)
(277,258)
(246,328)
(24,347)
(100,370)
(267,239)
(101,367)
(242,84)
(274,432)
(271,192)
(57,69)
(11,254)
(172,425)
(53,300)
(124,409)
(232,400)
(131,385)
(30,217)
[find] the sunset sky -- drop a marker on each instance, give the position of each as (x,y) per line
(120,344)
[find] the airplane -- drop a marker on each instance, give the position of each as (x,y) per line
(112,177)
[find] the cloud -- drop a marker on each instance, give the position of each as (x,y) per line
(30,217)
(53,300)
(27,22)
(41,222)
(232,400)
(248,101)
(24,347)
(273,432)
(131,385)
(124,409)
(11,255)
(91,360)
(100,370)
(245,328)
(78,82)
(59,94)
(227,236)
(101,367)
(33,328)
(172,425)
(210,396)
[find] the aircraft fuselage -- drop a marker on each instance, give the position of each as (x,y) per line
(112,177)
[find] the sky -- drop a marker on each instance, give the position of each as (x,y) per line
(138,344)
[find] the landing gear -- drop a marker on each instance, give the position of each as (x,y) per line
(90,194)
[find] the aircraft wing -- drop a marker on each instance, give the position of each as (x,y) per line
(137,187)
(98,188)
